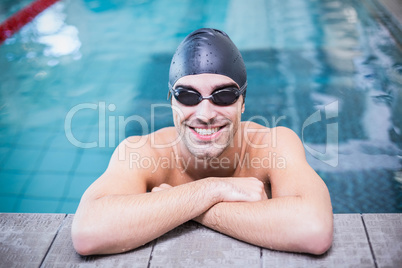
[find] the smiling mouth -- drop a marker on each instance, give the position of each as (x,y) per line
(206,131)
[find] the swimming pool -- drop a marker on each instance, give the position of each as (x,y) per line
(72,79)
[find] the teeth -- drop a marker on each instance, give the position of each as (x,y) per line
(206,131)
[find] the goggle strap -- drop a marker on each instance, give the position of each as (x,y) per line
(243,88)
(170,91)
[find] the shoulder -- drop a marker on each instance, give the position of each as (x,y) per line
(280,140)
(142,156)
(152,145)
(255,134)
(271,137)
(287,143)
(249,126)
(286,136)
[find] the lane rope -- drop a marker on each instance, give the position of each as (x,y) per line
(14,23)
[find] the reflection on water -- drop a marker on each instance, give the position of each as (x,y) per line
(301,56)
(50,29)
(30,84)
(61,39)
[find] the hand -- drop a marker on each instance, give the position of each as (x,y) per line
(161,187)
(240,189)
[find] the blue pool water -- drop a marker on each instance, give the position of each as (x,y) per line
(329,70)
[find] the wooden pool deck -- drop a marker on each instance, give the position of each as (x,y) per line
(43,240)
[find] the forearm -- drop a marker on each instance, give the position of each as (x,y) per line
(117,223)
(286,223)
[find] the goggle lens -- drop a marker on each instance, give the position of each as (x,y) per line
(222,97)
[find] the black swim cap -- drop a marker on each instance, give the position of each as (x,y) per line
(208,51)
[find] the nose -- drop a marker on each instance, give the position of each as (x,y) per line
(205,110)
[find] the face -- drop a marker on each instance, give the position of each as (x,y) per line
(206,129)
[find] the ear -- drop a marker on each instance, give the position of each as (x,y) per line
(243,107)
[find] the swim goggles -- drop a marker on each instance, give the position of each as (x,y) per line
(221,97)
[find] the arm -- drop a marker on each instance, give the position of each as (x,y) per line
(297,218)
(116,214)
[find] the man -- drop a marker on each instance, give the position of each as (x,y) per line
(210,168)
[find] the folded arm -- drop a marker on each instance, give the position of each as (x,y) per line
(116,214)
(119,222)
(299,216)
(288,223)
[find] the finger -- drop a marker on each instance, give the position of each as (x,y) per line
(156,189)
(165,186)
(266,190)
(264,195)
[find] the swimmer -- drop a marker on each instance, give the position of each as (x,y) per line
(237,177)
